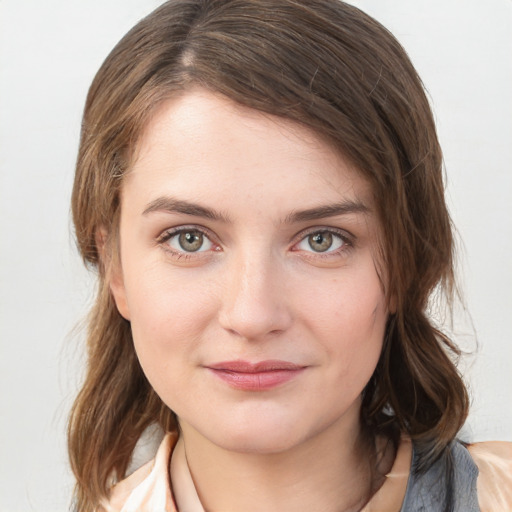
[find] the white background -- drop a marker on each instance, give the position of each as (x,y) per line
(49,53)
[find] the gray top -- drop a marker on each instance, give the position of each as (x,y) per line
(429,491)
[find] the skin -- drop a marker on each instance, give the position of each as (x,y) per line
(257,289)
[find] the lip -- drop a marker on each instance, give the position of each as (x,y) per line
(259,376)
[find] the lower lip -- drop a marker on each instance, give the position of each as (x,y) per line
(257,381)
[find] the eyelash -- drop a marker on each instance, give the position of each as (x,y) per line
(347,240)
(171,233)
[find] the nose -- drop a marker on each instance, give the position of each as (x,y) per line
(255,303)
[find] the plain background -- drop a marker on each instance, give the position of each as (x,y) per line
(49,53)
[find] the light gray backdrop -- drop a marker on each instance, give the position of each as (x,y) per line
(49,53)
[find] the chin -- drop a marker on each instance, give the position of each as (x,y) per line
(256,442)
(252,435)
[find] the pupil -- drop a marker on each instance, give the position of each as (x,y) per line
(320,242)
(191,241)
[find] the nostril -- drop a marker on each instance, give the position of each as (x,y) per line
(255,326)
(252,304)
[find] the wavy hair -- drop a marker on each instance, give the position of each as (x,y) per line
(334,69)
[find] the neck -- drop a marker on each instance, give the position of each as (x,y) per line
(311,476)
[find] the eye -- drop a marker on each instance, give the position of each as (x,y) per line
(322,241)
(188,240)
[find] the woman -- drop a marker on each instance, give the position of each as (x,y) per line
(259,184)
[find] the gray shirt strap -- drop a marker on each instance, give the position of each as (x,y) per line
(448,485)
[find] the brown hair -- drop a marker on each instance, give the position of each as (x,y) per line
(324,64)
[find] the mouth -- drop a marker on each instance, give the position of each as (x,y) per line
(258,376)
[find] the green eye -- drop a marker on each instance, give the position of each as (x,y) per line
(189,240)
(321,241)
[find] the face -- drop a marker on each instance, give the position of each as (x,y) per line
(248,274)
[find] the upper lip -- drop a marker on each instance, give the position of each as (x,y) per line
(248,367)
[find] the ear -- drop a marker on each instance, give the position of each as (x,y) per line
(112,271)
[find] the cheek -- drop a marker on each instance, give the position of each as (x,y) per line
(168,316)
(348,307)
(349,320)
(167,328)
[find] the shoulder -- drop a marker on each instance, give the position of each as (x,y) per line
(494,484)
(476,477)
(449,483)
(147,489)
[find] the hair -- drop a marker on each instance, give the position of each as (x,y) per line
(334,69)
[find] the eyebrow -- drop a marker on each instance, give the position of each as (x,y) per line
(173,205)
(330,210)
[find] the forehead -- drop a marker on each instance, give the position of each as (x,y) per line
(204,144)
